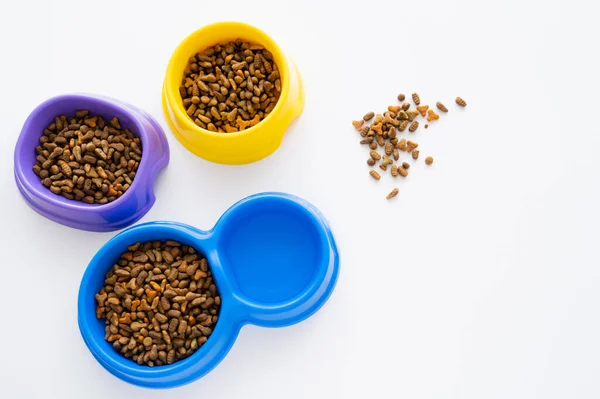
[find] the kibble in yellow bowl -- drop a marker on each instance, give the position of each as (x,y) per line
(230,93)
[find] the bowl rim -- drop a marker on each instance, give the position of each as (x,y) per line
(61,202)
(172,95)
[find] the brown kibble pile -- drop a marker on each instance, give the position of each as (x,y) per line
(159,302)
(230,87)
(383,131)
(85,158)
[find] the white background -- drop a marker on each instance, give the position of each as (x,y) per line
(480,280)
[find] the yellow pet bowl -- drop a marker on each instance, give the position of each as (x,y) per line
(251,144)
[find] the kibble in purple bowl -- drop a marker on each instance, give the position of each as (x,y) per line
(117,208)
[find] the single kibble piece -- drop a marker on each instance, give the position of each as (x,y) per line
(159,303)
(389,147)
(413,126)
(411,145)
(373,145)
(76,151)
(441,107)
(423,109)
(367,140)
(378,119)
(415,154)
(412,115)
(377,128)
(386,161)
(371,162)
(364,131)
(383,167)
(396,154)
(368,116)
(401,145)
(403,125)
(405,106)
(358,124)
(374,174)
(394,170)
(375,155)
(405,165)
(416,99)
(394,108)
(230,87)
(426,126)
(392,194)
(432,116)
(461,102)
(401,97)
(402,171)
(429,160)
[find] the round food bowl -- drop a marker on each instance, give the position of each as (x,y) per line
(274,261)
(249,145)
(125,210)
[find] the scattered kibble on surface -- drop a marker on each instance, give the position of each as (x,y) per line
(230,86)
(374,174)
(392,194)
(432,116)
(402,171)
(85,158)
(416,99)
(423,109)
(358,124)
(384,130)
(368,116)
(159,303)
(441,107)
(461,102)
(375,155)
(413,126)
(411,145)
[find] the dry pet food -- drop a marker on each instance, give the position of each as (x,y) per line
(416,99)
(441,107)
(385,130)
(159,302)
(85,158)
(392,194)
(230,87)
(461,102)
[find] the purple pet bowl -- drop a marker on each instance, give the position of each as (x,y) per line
(124,211)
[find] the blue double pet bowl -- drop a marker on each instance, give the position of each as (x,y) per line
(274,261)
